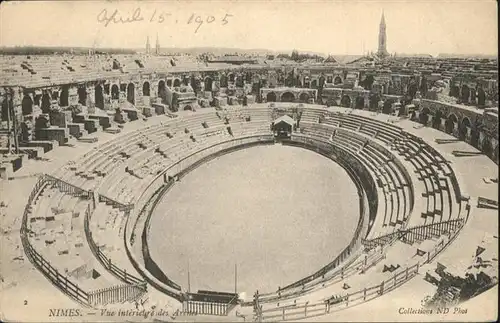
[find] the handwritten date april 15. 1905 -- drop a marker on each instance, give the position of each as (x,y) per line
(107,17)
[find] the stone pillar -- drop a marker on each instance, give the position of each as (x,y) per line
(482,136)
(494,143)
(417,115)
(429,120)
(468,135)
(90,102)
(442,125)
(72,96)
(455,130)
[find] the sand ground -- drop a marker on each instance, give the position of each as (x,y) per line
(280,213)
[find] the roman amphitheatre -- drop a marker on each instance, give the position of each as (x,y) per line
(242,188)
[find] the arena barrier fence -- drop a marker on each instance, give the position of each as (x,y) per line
(418,233)
(339,302)
(66,187)
(103,259)
(115,204)
(51,273)
(88,299)
(206,308)
(116,294)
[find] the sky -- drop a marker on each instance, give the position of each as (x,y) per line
(327,27)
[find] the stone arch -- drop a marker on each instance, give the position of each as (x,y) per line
(131,93)
(486,147)
(436,121)
(162,91)
(304,97)
(360,103)
(474,135)
(208,84)
(455,91)
(271,97)
(465,93)
(223,80)
(413,116)
(177,82)
(46,101)
(99,96)
(287,97)
(123,88)
(146,89)
(82,95)
(423,117)
(188,107)
(321,81)
(337,80)
(169,83)
(387,106)
(345,101)
(450,123)
(55,95)
(481,97)
(115,92)
(462,129)
(64,97)
(26,104)
(240,81)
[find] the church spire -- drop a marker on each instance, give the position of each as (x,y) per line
(382,38)
(157,48)
(148,46)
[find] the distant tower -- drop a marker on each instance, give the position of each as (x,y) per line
(382,38)
(148,46)
(157,48)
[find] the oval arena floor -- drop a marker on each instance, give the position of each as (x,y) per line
(278,224)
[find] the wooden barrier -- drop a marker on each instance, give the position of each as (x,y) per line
(50,272)
(418,233)
(103,259)
(66,187)
(205,308)
(116,294)
(115,204)
(307,310)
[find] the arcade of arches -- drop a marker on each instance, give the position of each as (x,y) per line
(287,97)
(146,89)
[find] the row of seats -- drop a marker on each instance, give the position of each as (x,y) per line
(435,175)
(56,231)
(394,191)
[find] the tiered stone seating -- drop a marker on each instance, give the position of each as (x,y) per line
(435,175)
(394,195)
(107,226)
(311,115)
(56,231)
(435,182)
(144,153)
